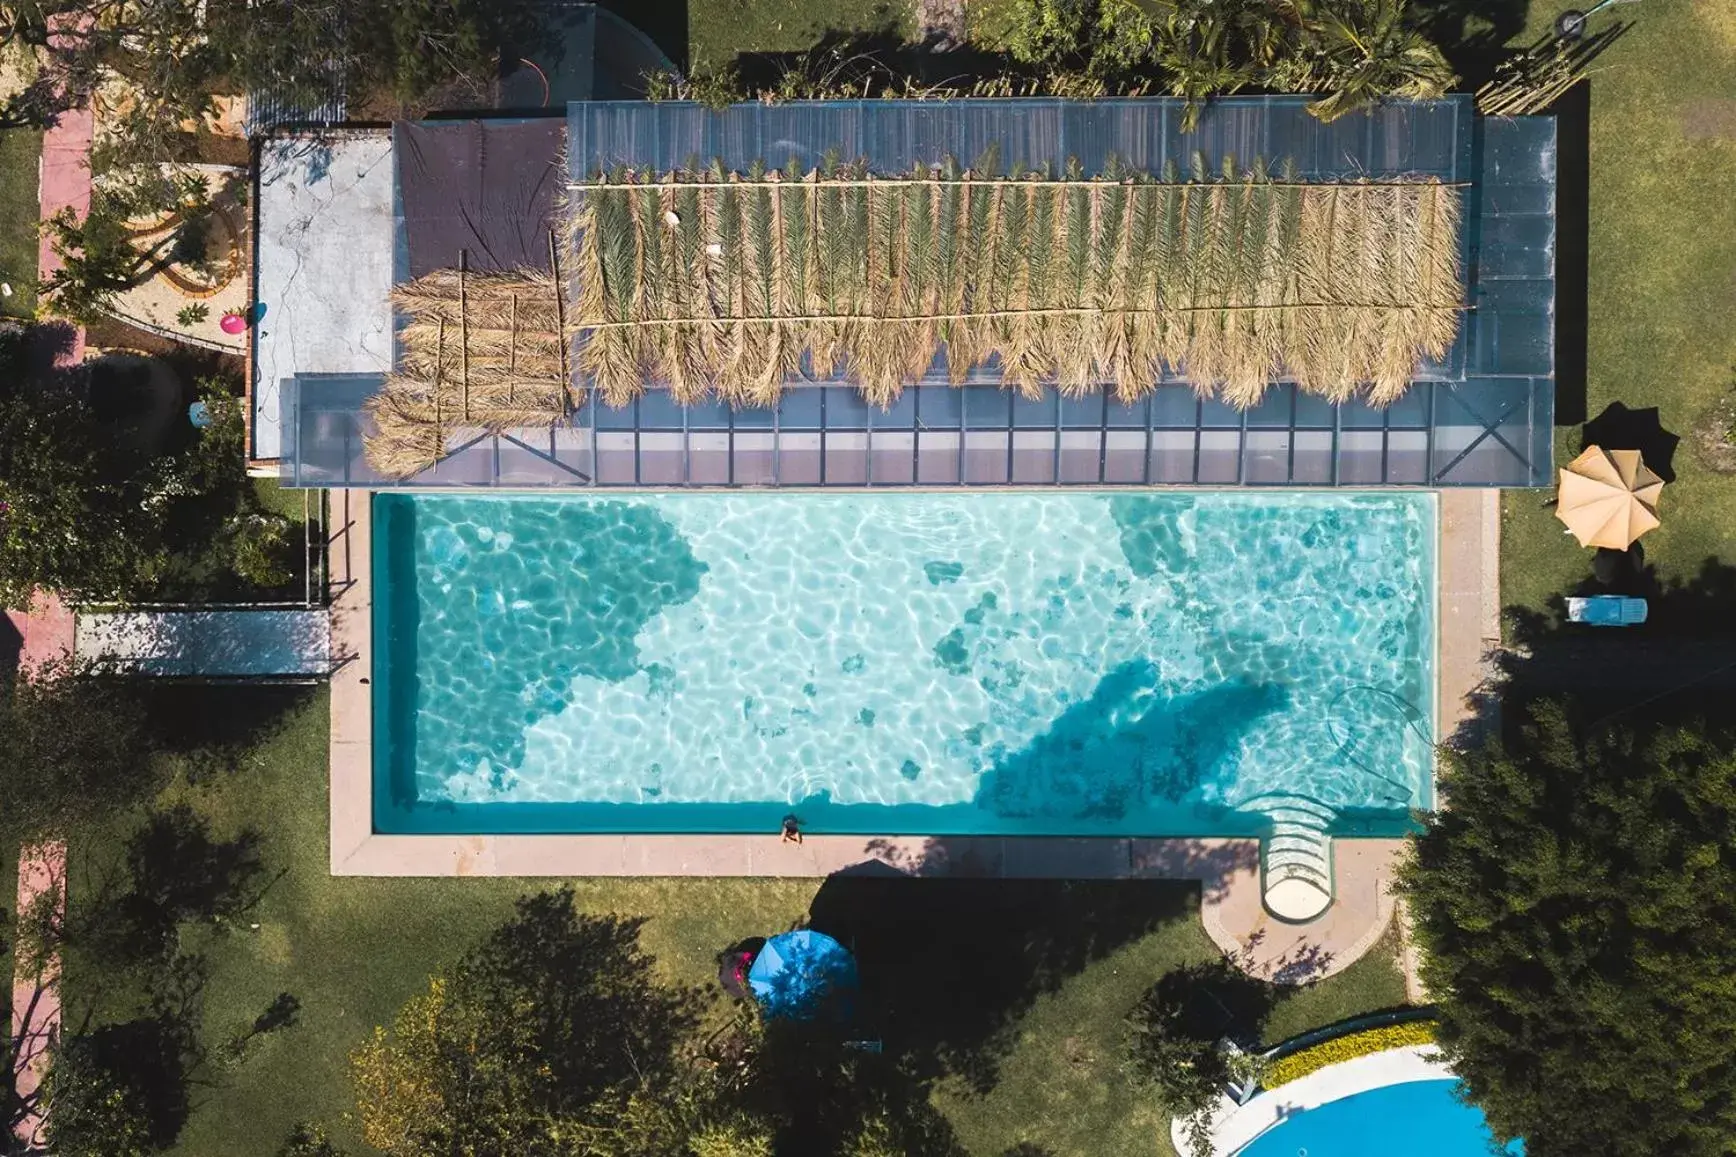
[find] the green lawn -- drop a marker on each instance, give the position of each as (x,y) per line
(1043,974)
(1064,1086)
(1662,276)
(719,30)
(20,158)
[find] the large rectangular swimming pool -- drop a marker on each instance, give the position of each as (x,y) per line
(911,664)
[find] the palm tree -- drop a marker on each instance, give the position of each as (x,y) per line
(1367,50)
(1194,45)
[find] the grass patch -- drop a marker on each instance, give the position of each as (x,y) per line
(720,30)
(1065,1087)
(1371,984)
(20,159)
(1662,294)
(1017,1013)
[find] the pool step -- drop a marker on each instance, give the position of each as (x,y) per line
(1296,856)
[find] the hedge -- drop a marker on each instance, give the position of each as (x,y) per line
(1347,1048)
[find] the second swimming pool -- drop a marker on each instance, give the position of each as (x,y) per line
(1012,663)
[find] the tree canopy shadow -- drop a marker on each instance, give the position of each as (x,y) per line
(1212,1001)
(1678,664)
(825,1092)
(212,726)
(948,965)
(1474,35)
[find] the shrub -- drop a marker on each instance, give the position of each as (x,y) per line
(1347,1048)
(191,315)
(258,545)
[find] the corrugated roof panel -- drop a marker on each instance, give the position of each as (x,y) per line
(895,135)
(1483,418)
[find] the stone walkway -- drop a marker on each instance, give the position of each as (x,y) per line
(44,631)
(64,183)
(44,634)
(36,995)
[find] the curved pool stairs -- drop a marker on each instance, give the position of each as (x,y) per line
(1296,857)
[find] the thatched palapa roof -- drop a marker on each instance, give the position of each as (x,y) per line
(481,352)
(720,282)
(731,284)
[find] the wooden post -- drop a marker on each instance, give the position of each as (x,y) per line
(561,326)
(464,330)
(512,356)
(439,364)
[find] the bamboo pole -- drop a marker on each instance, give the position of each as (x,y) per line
(898,318)
(966,178)
(566,383)
(464,329)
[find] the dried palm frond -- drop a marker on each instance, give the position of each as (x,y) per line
(730,284)
(481,352)
(1233,278)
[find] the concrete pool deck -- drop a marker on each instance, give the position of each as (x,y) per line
(1235,1127)
(1228,869)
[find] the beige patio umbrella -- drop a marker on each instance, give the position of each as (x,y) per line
(1608,498)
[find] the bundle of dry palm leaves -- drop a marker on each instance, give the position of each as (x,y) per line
(729,283)
(481,352)
(732,284)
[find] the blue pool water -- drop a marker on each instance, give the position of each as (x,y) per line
(1079,663)
(1417,1119)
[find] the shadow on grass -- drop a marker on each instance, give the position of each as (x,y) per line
(1619,428)
(1680,663)
(211,727)
(1474,35)
(949,965)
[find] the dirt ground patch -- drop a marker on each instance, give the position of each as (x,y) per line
(1710,119)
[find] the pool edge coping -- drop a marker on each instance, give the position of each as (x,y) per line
(1235,1127)
(1228,868)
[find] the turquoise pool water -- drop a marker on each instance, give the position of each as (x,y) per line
(1078,663)
(1417,1119)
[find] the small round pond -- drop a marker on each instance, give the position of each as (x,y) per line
(1417,1119)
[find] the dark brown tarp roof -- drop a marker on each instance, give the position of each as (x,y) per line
(482,188)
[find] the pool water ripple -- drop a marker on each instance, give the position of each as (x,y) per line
(1076,663)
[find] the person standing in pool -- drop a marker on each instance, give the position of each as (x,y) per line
(792,830)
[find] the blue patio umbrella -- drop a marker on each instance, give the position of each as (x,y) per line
(802,975)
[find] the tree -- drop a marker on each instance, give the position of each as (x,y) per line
(1368,50)
(73,747)
(1577,901)
(307,1140)
(1356,51)
(1182,1033)
(90,1112)
(548,1032)
(86,516)
(170,57)
(72,517)
(120,1090)
(413,47)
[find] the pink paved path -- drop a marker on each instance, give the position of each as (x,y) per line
(46,629)
(64,184)
(36,998)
